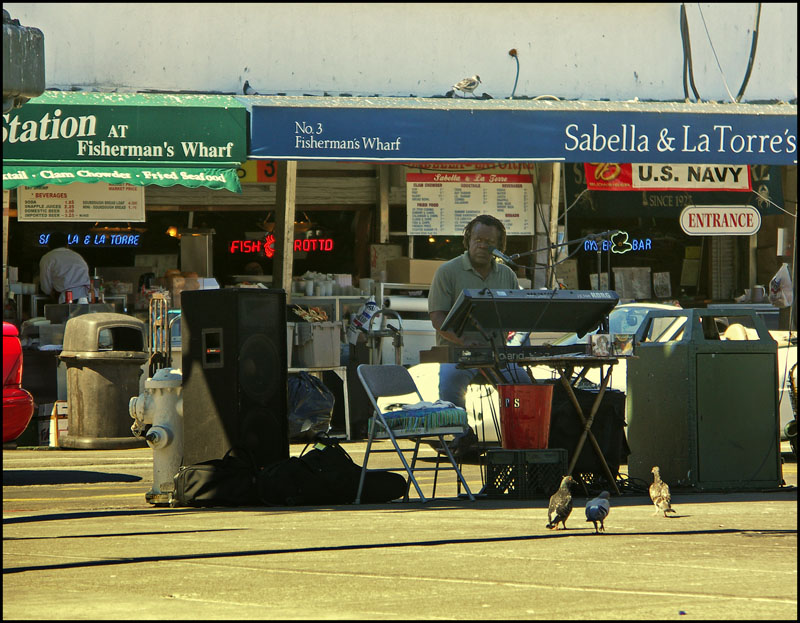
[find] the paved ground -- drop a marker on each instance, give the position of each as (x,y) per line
(81,542)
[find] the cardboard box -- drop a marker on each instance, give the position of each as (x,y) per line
(379,254)
(52,423)
(407,270)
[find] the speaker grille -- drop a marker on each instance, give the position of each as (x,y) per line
(258,360)
(236,398)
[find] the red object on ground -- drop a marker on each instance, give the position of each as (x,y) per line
(525,415)
(17,403)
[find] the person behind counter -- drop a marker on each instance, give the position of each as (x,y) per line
(61,269)
(476,268)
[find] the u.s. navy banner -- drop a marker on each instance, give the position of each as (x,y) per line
(651,176)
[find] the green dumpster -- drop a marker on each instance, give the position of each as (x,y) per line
(702,400)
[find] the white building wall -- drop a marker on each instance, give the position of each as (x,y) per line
(614,51)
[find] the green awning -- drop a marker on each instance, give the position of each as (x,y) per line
(215,178)
(138,138)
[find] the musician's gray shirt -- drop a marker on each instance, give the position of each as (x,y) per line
(458,274)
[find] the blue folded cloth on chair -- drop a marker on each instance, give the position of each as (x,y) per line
(425,416)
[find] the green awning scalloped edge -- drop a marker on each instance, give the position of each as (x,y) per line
(192,177)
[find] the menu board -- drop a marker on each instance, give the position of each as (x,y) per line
(444,203)
(82,202)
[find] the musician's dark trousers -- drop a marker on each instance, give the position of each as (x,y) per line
(453,381)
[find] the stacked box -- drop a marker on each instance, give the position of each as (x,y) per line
(524,474)
(407,270)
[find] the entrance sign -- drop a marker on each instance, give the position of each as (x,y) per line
(742,220)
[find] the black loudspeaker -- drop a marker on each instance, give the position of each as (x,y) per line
(234,361)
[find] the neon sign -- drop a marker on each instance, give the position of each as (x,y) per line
(314,244)
(619,243)
(97,240)
(266,246)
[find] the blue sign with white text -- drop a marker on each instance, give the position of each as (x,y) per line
(483,134)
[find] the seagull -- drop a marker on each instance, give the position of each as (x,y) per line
(560,505)
(659,493)
(248,90)
(597,510)
(468,85)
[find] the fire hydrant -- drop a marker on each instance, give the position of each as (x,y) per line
(158,417)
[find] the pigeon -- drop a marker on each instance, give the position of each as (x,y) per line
(560,505)
(248,90)
(597,510)
(468,85)
(659,493)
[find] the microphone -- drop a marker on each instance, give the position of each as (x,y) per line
(499,254)
(602,235)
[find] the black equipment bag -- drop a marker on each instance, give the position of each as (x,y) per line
(325,475)
(229,481)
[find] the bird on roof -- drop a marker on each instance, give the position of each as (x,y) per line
(468,85)
(659,493)
(560,505)
(597,510)
(248,90)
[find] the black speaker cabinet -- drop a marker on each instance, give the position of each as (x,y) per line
(234,374)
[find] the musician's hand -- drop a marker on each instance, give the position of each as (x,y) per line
(452,337)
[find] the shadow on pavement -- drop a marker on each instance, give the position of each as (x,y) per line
(25,477)
(90,515)
(266,552)
(116,534)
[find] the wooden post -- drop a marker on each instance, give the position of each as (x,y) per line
(555,187)
(285,197)
(383,203)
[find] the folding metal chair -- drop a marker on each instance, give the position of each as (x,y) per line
(389,422)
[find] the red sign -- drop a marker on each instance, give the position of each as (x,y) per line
(653,177)
(266,245)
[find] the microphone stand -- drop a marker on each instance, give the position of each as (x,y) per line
(596,237)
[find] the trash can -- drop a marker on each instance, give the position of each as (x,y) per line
(103,354)
(525,415)
(702,400)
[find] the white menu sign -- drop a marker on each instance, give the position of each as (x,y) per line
(444,203)
(82,202)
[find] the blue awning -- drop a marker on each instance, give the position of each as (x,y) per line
(385,129)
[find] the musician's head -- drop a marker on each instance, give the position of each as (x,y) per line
(485,230)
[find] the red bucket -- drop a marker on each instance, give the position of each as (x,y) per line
(525,415)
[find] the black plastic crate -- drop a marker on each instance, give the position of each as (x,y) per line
(524,474)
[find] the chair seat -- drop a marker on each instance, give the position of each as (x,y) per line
(426,421)
(447,430)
